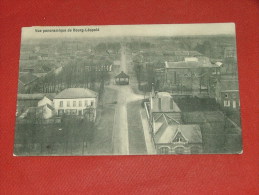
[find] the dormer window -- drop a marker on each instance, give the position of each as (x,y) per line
(179,138)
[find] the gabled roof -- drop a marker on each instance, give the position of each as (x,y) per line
(163,120)
(122,75)
(35,96)
(191,133)
(50,96)
(74,93)
(32,96)
(163,102)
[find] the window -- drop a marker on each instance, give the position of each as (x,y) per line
(74,103)
(86,103)
(164,150)
(61,104)
(226,103)
(92,103)
(226,95)
(80,103)
(234,104)
(60,112)
(68,103)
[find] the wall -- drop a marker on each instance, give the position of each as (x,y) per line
(228,99)
(187,148)
(45,101)
(77,107)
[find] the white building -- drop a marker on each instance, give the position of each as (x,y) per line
(76,101)
(27,103)
(47,99)
(41,112)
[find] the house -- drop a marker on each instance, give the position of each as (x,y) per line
(38,113)
(191,75)
(76,101)
(25,101)
(47,99)
(100,65)
(170,134)
(227,93)
(122,79)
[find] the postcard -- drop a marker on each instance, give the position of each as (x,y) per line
(128,90)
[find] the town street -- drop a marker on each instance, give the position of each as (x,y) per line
(125,95)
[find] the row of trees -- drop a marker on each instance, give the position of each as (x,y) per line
(73,75)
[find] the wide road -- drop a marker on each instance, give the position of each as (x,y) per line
(125,95)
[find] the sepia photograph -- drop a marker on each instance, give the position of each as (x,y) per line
(128,90)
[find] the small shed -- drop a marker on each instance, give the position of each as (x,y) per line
(122,79)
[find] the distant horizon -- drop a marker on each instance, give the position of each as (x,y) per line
(122,31)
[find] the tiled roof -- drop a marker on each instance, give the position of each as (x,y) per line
(32,96)
(166,101)
(73,93)
(191,132)
(35,96)
(51,96)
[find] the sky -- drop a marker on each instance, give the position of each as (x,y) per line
(129,30)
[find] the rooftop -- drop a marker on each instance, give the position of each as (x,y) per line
(163,102)
(32,96)
(191,133)
(122,75)
(189,64)
(35,96)
(73,93)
